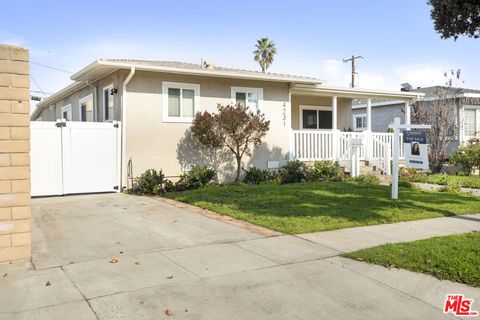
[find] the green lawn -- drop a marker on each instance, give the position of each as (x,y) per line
(455,258)
(472,181)
(317,206)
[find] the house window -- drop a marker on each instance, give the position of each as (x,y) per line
(86,108)
(312,117)
(250,97)
(472,121)
(67,113)
(108,104)
(180,102)
(360,122)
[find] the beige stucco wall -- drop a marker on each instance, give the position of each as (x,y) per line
(344,109)
(152,143)
(15,239)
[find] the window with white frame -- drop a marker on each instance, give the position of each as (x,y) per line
(86,108)
(180,101)
(315,117)
(67,112)
(250,97)
(360,122)
(471,115)
(108,104)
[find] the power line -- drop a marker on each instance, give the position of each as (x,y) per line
(36,83)
(50,67)
(37,91)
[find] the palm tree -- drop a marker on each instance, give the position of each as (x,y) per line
(264,53)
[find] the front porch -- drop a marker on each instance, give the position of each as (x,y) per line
(322,122)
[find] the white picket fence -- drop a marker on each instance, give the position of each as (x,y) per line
(312,145)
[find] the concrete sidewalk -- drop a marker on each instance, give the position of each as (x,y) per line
(168,258)
(352,239)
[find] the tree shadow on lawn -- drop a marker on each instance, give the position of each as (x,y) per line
(347,204)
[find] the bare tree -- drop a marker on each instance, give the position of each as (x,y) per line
(440,110)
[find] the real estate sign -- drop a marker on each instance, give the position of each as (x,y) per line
(416,153)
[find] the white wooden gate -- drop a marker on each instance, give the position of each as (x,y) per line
(74,157)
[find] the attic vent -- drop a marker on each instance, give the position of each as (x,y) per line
(208,64)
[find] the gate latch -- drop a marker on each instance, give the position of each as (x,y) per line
(61,124)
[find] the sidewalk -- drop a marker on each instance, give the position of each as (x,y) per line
(353,239)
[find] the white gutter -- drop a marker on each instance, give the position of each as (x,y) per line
(124,122)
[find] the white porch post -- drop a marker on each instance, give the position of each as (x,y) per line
(369,114)
(335,137)
(368,133)
(407,112)
(334,113)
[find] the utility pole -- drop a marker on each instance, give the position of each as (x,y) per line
(352,59)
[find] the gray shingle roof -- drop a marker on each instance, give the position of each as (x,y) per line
(198,67)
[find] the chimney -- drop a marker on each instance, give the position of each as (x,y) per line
(406,87)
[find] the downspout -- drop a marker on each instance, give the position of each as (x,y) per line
(95,105)
(124,122)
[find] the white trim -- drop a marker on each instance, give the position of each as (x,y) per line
(109,87)
(82,100)
(67,108)
(246,90)
(359,115)
(308,107)
(183,86)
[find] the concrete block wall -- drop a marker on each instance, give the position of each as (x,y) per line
(15,238)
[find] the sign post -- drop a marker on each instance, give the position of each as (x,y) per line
(415,154)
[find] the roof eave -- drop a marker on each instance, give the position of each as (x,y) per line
(355,93)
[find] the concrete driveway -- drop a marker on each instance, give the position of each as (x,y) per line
(171,263)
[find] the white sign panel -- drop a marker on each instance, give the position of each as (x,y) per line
(416,150)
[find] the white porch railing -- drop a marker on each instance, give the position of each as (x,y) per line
(311,145)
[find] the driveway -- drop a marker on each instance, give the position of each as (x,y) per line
(115,256)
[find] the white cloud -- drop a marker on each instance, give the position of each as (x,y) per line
(421,75)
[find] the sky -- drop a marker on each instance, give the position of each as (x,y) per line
(396,38)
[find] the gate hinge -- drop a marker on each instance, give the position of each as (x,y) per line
(115,125)
(61,124)
(115,188)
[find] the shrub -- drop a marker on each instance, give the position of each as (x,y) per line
(451,186)
(150,182)
(367,179)
(412,175)
(325,171)
(467,157)
(256,176)
(405,184)
(293,171)
(195,178)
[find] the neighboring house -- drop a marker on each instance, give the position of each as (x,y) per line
(156,102)
(466,115)
(383,113)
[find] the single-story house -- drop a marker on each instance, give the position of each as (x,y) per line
(156,101)
(465,119)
